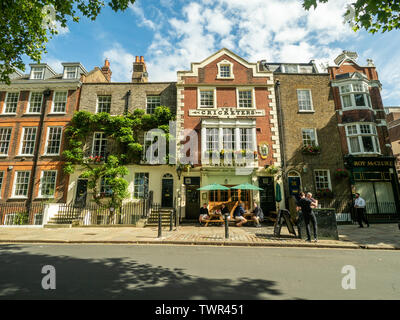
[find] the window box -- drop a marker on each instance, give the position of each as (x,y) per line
(341,173)
(324,193)
(311,150)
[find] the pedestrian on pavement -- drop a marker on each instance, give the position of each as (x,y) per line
(257,215)
(314,201)
(306,205)
(238,215)
(203,213)
(359,205)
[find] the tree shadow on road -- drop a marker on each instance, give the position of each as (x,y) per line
(115,278)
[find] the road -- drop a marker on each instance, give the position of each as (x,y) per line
(195,272)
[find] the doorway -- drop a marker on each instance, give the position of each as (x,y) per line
(167,191)
(192,198)
(81,193)
(267,194)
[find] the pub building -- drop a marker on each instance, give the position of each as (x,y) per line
(230,104)
(364,135)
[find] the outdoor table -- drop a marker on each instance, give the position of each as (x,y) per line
(215,217)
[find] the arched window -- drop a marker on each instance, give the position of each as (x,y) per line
(168,176)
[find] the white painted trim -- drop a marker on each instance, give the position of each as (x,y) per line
(5,103)
(311,100)
(47,141)
(13,196)
(52,103)
(40,185)
(253,97)
(214,89)
(329,178)
(225,63)
(22,139)
(29,103)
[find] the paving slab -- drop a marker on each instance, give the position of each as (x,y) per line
(378,236)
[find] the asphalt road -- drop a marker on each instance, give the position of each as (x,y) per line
(195,272)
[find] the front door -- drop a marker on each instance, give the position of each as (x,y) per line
(167,193)
(267,194)
(192,198)
(81,193)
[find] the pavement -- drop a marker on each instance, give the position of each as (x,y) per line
(378,236)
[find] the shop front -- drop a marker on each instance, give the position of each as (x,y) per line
(375,179)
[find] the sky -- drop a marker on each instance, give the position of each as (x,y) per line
(171,34)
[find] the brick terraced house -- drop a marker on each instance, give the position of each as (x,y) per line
(364,135)
(310,140)
(229,106)
(117,98)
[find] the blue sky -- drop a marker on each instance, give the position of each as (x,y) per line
(171,34)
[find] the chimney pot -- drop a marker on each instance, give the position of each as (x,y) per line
(141,59)
(137,59)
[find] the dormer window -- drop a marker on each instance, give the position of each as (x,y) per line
(37,73)
(70,72)
(225,70)
(291,68)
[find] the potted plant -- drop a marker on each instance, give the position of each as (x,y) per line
(272,170)
(310,149)
(324,193)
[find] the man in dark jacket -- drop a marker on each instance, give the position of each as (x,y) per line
(306,205)
(257,215)
(238,215)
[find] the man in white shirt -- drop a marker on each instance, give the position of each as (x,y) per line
(359,205)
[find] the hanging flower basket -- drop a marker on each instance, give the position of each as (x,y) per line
(324,193)
(341,173)
(272,170)
(311,150)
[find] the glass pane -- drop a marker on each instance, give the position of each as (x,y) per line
(360,102)
(367,143)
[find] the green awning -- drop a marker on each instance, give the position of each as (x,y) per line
(246,186)
(213,186)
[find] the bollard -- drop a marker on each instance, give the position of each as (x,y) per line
(170,221)
(159,225)
(226,227)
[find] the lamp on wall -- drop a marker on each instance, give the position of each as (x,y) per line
(179,170)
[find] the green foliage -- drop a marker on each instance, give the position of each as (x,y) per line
(371,15)
(27,25)
(21,218)
(125,131)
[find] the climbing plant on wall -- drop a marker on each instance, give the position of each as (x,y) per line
(125,131)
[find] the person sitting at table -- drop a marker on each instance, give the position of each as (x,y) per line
(203,213)
(238,215)
(257,215)
(225,210)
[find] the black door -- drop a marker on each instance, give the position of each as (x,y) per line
(167,192)
(267,195)
(81,193)
(192,198)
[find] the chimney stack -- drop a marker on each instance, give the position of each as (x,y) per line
(139,74)
(106,70)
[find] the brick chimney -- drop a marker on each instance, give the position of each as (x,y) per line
(139,74)
(106,70)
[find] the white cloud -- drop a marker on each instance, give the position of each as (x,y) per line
(121,62)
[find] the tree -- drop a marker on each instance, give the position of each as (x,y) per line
(371,15)
(27,25)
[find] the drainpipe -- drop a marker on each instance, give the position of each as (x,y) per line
(281,131)
(46,95)
(128,94)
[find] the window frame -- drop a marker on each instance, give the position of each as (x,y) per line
(97,102)
(253,97)
(225,63)
(29,103)
(15,185)
(373,134)
(65,73)
(101,145)
(34,71)
(311,101)
(8,148)
(202,89)
(5,103)
(351,93)
(2,176)
(47,141)
(328,176)
(147,180)
(147,103)
(40,195)
(22,141)
(315,136)
(53,103)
